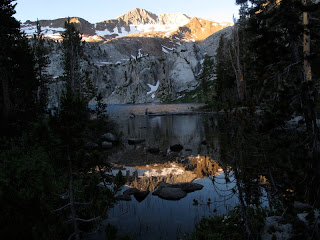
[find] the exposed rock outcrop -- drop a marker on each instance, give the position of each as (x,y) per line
(133,141)
(175,191)
(176,148)
(176,26)
(139,69)
(110,137)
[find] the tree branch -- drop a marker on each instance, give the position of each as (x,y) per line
(88,220)
(71,236)
(59,209)
(84,203)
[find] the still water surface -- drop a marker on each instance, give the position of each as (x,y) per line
(156,218)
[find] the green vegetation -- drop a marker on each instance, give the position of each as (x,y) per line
(193,96)
(230,226)
(206,79)
(52,165)
(50,188)
(272,171)
(112,233)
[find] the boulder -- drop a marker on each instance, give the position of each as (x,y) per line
(160,186)
(141,195)
(176,148)
(154,150)
(124,197)
(188,186)
(301,206)
(132,141)
(163,184)
(130,191)
(109,137)
(106,145)
(91,145)
(175,191)
(170,193)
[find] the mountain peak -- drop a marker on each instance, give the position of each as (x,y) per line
(74,20)
(138,16)
(139,10)
(178,26)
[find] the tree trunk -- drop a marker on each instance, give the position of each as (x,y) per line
(6,100)
(236,64)
(309,109)
(306,45)
(72,201)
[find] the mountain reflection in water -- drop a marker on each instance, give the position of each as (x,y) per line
(147,178)
(165,130)
(153,217)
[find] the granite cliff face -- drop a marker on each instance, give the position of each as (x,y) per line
(132,71)
(148,78)
(151,66)
(197,30)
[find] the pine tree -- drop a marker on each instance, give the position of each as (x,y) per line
(72,53)
(283,38)
(225,81)
(71,117)
(235,56)
(71,123)
(18,85)
(40,52)
(206,77)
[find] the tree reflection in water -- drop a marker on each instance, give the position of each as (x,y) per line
(268,168)
(271,161)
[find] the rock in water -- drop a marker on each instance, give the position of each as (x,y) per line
(188,186)
(106,145)
(133,141)
(131,191)
(91,145)
(109,137)
(124,197)
(176,148)
(175,191)
(153,150)
(169,193)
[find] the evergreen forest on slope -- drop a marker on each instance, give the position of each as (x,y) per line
(52,181)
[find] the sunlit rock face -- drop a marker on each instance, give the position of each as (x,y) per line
(170,181)
(53,28)
(176,26)
(137,78)
(147,58)
(150,177)
(210,44)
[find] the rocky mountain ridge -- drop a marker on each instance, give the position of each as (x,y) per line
(139,70)
(141,67)
(136,21)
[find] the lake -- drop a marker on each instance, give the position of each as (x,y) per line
(162,126)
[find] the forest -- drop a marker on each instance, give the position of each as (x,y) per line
(52,181)
(266,76)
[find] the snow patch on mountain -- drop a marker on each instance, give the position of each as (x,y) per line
(153,88)
(137,21)
(121,32)
(30,30)
(173,19)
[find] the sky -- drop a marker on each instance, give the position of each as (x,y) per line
(100,10)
